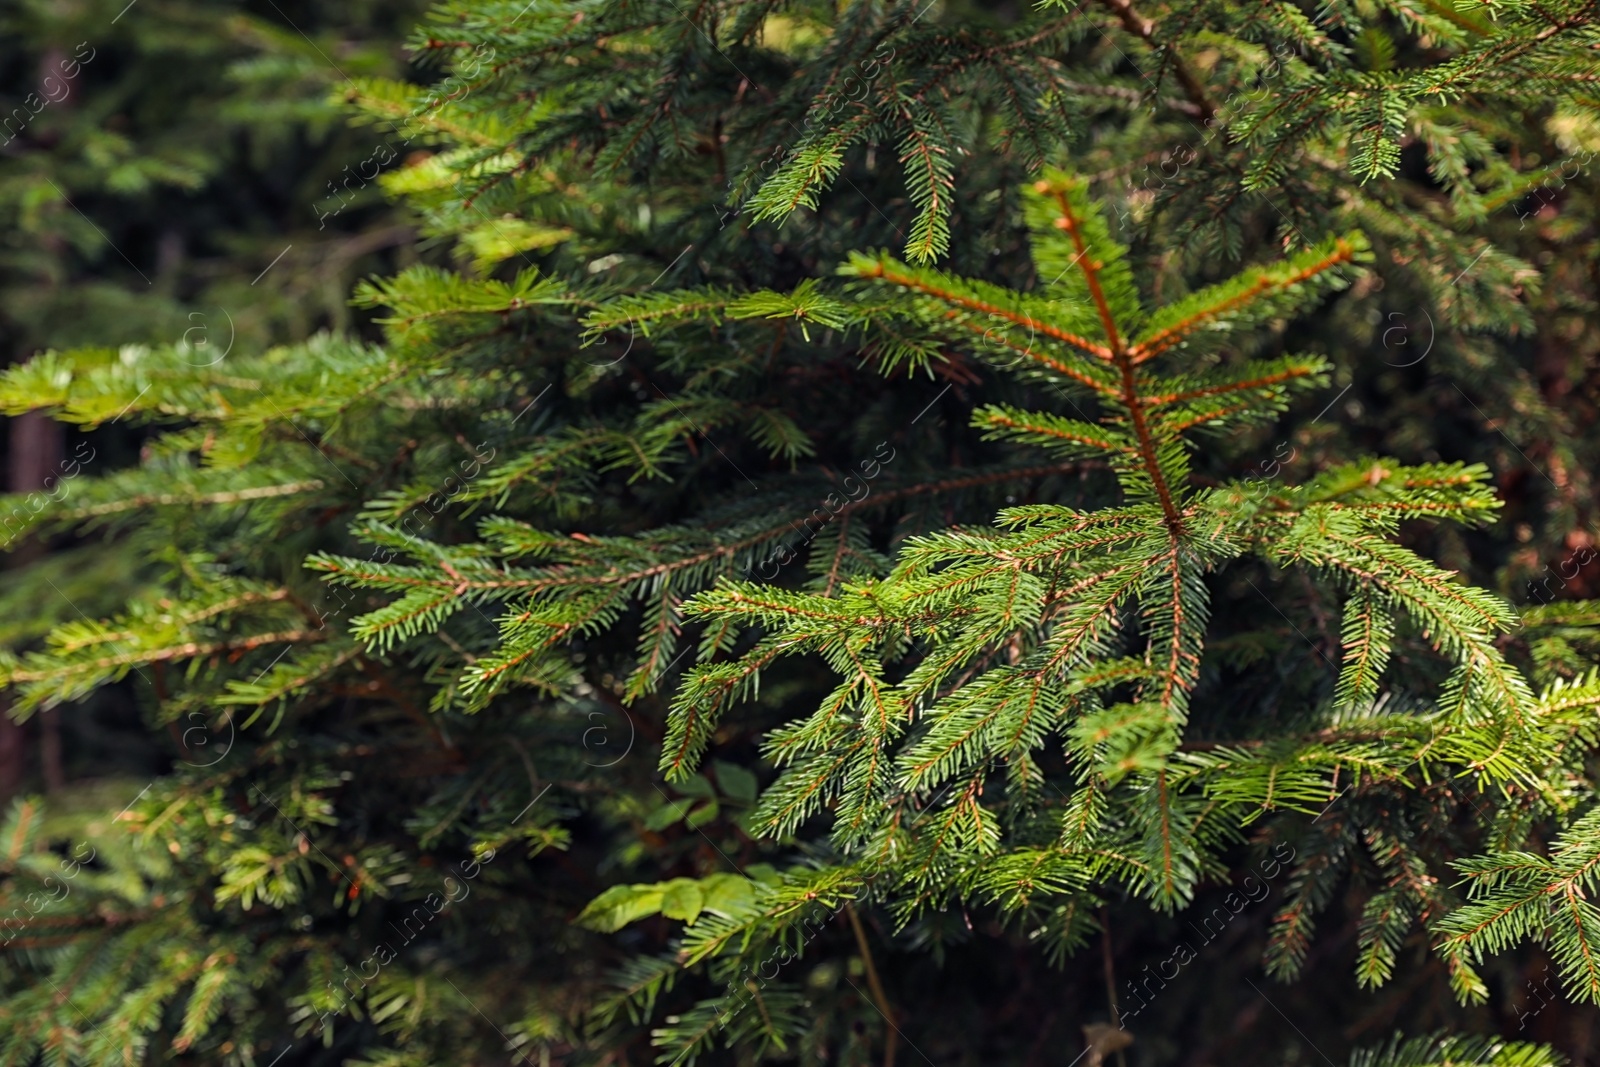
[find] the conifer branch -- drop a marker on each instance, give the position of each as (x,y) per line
(1288,374)
(1089,267)
(1343,251)
(1041,358)
(938,653)
(1144,29)
(878,270)
(1119,355)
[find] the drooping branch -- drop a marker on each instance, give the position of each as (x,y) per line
(1044,359)
(1144,29)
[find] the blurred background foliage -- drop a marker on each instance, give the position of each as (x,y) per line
(155,160)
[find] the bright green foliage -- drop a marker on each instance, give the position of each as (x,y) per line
(939,562)
(1521,894)
(958,667)
(1449,1051)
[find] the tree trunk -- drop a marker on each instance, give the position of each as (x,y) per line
(33,455)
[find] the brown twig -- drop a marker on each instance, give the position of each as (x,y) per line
(874,984)
(1144,29)
(1108,965)
(1120,356)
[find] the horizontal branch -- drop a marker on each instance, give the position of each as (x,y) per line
(878,270)
(1153,346)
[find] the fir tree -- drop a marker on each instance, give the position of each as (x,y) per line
(630,475)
